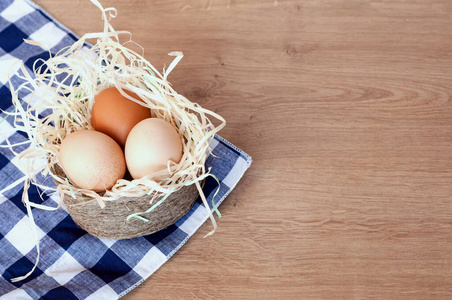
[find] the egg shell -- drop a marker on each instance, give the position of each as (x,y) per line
(115,115)
(92,160)
(150,144)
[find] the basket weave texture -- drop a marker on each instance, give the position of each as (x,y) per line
(111,221)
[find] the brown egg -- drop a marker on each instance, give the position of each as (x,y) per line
(115,115)
(150,145)
(92,160)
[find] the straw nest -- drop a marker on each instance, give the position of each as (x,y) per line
(63,89)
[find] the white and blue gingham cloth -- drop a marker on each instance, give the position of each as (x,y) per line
(74,264)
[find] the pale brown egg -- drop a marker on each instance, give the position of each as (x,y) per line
(92,160)
(115,115)
(150,145)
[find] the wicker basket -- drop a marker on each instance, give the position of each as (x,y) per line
(111,221)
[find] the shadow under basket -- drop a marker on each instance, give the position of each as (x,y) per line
(111,221)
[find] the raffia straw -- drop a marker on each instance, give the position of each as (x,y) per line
(67,84)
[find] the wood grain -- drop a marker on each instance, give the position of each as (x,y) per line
(345,107)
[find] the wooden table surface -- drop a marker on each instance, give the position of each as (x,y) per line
(346,108)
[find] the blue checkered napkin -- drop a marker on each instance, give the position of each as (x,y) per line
(74,264)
